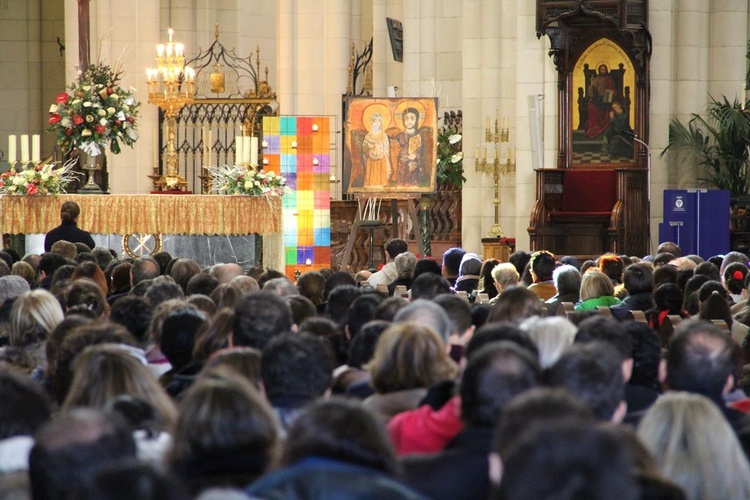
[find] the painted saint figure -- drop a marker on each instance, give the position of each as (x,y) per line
(618,138)
(375,148)
(410,169)
(601,94)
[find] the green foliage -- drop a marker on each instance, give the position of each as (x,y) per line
(450,157)
(718,144)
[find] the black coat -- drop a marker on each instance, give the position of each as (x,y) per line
(67,231)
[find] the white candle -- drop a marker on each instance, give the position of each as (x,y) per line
(36,150)
(254,151)
(12,158)
(246,147)
(156,147)
(25,149)
(238,153)
(160,50)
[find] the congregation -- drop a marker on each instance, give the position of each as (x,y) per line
(541,377)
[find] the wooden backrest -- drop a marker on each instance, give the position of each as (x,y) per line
(400,291)
(638,316)
(604,311)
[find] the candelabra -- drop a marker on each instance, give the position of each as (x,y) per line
(495,167)
(171,85)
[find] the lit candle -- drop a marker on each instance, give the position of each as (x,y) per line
(254,151)
(238,158)
(308,262)
(265,144)
(35,149)
(160,50)
(25,149)
(246,149)
(169,49)
(294,144)
(315,127)
(170,31)
(315,161)
(12,149)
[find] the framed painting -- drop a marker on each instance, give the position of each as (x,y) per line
(390,145)
(603,99)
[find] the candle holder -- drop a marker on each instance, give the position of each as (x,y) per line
(496,167)
(171,86)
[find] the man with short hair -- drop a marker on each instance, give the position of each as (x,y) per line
(258,317)
(542,266)
(144,268)
(452,263)
(567,280)
(48,264)
(639,282)
(393,248)
(225,273)
(429,286)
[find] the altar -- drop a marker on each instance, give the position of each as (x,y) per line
(178,215)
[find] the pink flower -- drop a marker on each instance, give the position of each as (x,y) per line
(31,189)
(62,98)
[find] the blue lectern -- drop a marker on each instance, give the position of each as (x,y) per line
(697,220)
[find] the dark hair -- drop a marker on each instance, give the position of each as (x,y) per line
(396,246)
(458,311)
(134,313)
(668,246)
(337,279)
(339,301)
(128,479)
(69,211)
(663,258)
(603,329)
(486,281)
(312,286)
(341,430)
(593,372)
(429,286)
(178,334)
(51,262)
(520,259)
(183,270)
(161,289)
(699,359)
(716,307)
(690,301)
(120,278)
(579,461)
(494,375)
(665,274)
(515,304)
(201,283)
(389,307)
(71,447)
(362,348)
(302,308)
(494,332)
(543,265)
(163,259)
(452,260)
(479,314)
(296,369)
(215,335)
(639,278)
(427,265)
(413,111)
(668,297)
(735,284)
(25,407)
(708,269)
(144,268)
(709,287)
(86,292)
(258,317)
(646,354)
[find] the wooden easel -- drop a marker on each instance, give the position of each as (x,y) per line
(361,222)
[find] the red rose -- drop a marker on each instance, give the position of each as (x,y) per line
(77,119)
(110,91)
(62,98)
(118,122)
(54,119)
(2,184)
(31,189)
(68,131)
(131,119)
(99,129)
(38,168)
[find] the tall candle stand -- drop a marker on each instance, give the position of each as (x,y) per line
(496,167)
(171,86)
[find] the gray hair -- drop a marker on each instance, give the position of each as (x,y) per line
(428,313)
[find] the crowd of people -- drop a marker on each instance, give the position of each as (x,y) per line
(152,378)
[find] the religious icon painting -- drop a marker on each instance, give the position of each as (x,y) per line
(603,101)
(390,145)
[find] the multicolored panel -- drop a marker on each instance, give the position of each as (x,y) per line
(298,148)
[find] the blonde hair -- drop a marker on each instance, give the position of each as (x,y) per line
(409,356)
(696,447)
(595,284)
(105,371)
(33,316)
(25,271)
(551,335)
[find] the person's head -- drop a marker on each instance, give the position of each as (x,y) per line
(312,285)
(452,261)
(428,286)
(69,211)
(361,311)
(486,281)
(182,270)
(596,284)
(429,314)
(542,265)
(85,292)
(671,247)
(25,407)
(471,264)
(201,283)
(128,479)
(25,271)
(50,262)
(302,308)
(120,278)
(409,356)
(389,307)
(458,312)
(178,334)
(566,461)
(362,347)
(71,447)
(337,279)
(163,259)
(504,275)
(427,265)
(341,430)
(708,269)
(258,317)
(665,274)
(411,118)
(394,247)
(552,337)
(405,263)
(734,277)
(224,273)
(515,304)
(296,369)
(144,268)
(698,360)
(245,361)
(690,299)
(339,301)
(695,446)
(567,279)
(105,371)
(663,258)
(64,248)
(33,316)
(593,372)
(600,328)
(494,375)
(496,332)
(280,286)
(646,354)
(639,278)
(215,335)
(226,434)
(730,258)
(134,313)
(612,266)
(245,284)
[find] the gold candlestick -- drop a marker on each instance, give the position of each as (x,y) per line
(495,167)
(170,87)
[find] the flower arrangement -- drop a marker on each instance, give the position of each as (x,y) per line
(232,179)
(449,157)
(39,180)
(94,112)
